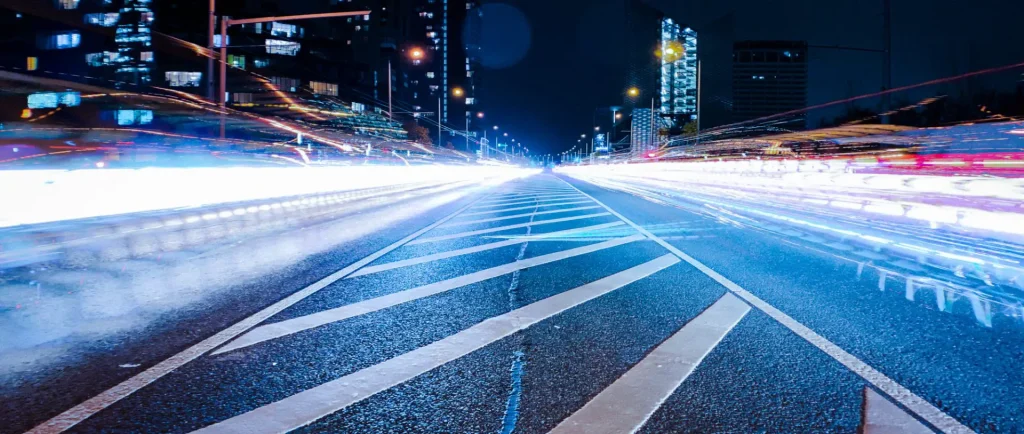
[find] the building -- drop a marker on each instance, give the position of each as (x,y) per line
(768,78)
(642,135)
(678,79)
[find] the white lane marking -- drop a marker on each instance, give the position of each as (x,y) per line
(541,196)
(515,216)
(307,406)
(922,408)
(879,416)
(91,406)
(295,325)
(625,405)
(505,228)
(524,202)
(470,214)
(443,255)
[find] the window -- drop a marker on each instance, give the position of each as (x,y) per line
(216,40)
(241,98)
(287,48)
(470,101)
(60,41)
(102,19)
(358,107)
(281,29)
(237,61)
(431,34)
(183,78)
(100,59)
(146,56)
(284,83)
(53,99)
(430,74)
(260,63)
(134,117)
(67,4)
(321,88)
(32,64)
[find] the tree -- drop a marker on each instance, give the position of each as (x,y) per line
(690,129)
(417,133)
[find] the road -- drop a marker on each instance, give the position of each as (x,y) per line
(552,305)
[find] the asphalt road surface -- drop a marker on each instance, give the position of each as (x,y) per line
(551,305)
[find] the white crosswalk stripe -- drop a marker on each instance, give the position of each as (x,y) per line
(515,216)
(524,202)
(471,214)
(302,408)
(504,228)
(295,325)
(534,197)
(452,253)
(625,405)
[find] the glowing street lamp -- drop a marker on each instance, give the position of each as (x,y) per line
(416,53)
(495,128)
(633,92)
(480,115)
(457,91)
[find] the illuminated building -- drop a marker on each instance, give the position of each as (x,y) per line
(768,78)
(678,81)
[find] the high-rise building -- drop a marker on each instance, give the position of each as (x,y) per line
(768,78)
(678,81)
(642,135)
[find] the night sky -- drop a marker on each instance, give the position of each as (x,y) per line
(548,98)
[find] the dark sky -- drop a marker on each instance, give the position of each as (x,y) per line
(548,98)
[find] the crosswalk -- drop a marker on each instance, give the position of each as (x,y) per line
(483,227)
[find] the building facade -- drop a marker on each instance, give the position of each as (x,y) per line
(768,78)
(678,79)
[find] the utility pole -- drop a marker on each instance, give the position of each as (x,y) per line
(887,63)
(390,115)
(212,24)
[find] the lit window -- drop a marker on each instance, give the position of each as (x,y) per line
(321,88)
(61,41)
(100,59)
(260,63)
(33,63)
(281,29)
(358,28)
(102,19)
(134,117)
(470,101)
(216,40)
(183,78)
(53,99)
(430,74)
(146,56)
(431,34)
(469,73)
(236,61)
(276,46)
(284,83)
(67,4)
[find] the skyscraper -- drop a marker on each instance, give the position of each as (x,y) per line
(768,78)
(678,83)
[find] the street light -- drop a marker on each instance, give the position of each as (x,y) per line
(457,91)
(633,92)
(598,128)
(416,53)
(480,115)
(495,128)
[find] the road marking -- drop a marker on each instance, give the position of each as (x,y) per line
(470,214)
(515,216)
(91,406)
(307,406)
(504,228)
(443,255)
(625,405)
(295,325)
(543,196)
(879,416)
(524,202)
(922,408)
